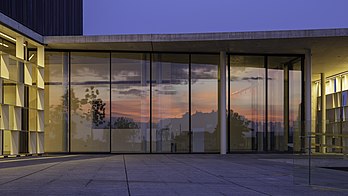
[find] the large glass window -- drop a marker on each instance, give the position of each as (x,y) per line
(279,103)
(113,98)
(56,102)
(204,96)
(170,103)
(247,103)
(90,102)
(295,101)
(130,105)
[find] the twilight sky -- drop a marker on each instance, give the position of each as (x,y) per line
(104,17)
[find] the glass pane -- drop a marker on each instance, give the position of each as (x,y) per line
(90,102)
(170,103)
(56,101)
(130,102)
(279,135)
(295,101)
(204,95)
(247,102)
(7,47)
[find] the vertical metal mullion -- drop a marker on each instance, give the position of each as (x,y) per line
(229,104)
(265,147)
(190,107)
(286,105)
(110,101)
(302,131)
(150,102)
(341,114)
(2,144)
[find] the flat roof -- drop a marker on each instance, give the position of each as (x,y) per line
(10,26)
(329,46)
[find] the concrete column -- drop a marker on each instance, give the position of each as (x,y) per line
(222,102)
(323,111)
(20,47)
(308,95)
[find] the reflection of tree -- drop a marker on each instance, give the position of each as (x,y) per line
(96,111)
(126,132)
(125,123)
(239,125)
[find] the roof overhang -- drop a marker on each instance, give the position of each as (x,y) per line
(329,46)
(14,28)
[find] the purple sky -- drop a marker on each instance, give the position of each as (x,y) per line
(103,17)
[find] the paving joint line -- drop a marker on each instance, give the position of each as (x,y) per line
(30,174)
(125,171)
(219,177)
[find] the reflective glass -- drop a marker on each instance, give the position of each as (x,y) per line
(130,92)
(56,102)
(247,103)
(204,95)
(170,103)
(90,102)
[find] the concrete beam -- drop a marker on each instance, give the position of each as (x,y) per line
(256,35)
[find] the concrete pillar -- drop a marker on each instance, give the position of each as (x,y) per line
(222,102)
(323,111)
(308,95)
(20,47)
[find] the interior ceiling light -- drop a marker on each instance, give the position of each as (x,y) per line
(31,56)
(5,45)
(8,37)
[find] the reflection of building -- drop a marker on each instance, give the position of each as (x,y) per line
(173,92)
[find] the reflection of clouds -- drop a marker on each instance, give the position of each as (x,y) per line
(134,92)
(251,78)
(83,73)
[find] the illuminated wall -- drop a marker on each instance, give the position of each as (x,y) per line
(21,97)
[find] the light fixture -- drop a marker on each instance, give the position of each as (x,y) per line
(5,45)
(8,37)
(31,56)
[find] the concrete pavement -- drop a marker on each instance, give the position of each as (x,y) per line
(157,175)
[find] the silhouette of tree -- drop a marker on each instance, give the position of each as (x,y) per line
(239,125)
(125,123)
(96,112)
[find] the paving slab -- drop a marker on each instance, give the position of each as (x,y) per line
(164,174)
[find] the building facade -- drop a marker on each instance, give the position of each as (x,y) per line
(173,93)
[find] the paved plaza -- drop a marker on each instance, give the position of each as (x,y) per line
(162,174)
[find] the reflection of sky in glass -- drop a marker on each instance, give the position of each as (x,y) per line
(248,92)
(131,99)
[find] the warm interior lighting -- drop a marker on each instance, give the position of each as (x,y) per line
(31,56)
(8,37)
(5,45)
